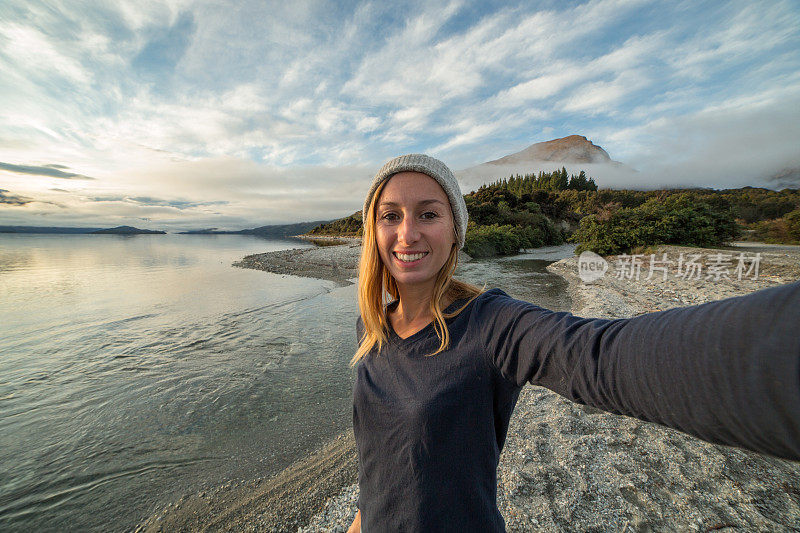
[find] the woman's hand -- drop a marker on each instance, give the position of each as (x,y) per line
(355,527)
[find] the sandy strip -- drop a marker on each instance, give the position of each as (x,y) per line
(565,467)
(334,263)
(283,502)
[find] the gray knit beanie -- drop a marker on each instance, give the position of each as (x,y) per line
(433,168)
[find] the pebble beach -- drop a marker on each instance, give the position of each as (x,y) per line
(565,467)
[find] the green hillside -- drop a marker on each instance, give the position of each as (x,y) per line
(543,209)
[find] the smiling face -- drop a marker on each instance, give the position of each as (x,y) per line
(414,229)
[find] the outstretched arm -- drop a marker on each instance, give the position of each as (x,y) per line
(726,371)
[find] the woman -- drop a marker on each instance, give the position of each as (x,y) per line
(440,368)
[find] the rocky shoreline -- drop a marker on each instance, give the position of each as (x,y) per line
(564,467)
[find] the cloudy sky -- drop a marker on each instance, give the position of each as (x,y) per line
(186,114)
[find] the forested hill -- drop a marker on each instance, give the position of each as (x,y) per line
(272,231)
(548,208)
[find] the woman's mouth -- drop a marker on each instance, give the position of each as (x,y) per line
(409,258)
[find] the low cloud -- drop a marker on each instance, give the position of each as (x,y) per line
(177,204)
(744,142)
(13,199)
(148,201)
(51,171)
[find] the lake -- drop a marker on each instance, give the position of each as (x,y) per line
(138,369)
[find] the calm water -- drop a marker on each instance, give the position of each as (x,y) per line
(137,369)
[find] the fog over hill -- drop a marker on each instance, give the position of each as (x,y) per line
(574,152)
(785,178)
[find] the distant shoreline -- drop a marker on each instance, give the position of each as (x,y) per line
(46,230)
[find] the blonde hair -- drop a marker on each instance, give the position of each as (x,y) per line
(375,281)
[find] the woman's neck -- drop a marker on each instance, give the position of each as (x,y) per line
(414,305)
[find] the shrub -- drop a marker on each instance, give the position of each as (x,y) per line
(784,230)
(489,241)
(350,225)
(494,239)
(679,219)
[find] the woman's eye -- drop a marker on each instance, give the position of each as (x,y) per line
(393,217)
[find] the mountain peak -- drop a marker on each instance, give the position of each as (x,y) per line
(570,149)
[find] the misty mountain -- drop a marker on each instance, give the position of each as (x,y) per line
(574,152)
(787,178)
(572,149)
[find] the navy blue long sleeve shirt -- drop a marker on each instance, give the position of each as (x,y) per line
(429,429)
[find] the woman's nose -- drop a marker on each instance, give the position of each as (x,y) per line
(408,232)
